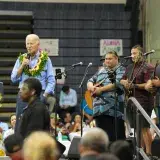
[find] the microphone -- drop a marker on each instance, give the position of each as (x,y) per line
(77,64)
(150,52)
(128,57)
(85,74)
(90,64)
(28,56)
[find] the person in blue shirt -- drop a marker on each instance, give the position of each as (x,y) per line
(35,63)
(108,97)
(68,99)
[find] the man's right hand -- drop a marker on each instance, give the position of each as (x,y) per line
(149,86)
(125,83)
(25,62)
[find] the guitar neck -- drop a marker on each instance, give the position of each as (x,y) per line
(154,73)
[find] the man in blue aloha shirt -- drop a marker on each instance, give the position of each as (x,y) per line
(108,102)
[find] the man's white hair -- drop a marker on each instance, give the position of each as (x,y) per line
(96,139)
(34,36)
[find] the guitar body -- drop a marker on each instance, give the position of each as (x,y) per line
(89,96)
(89,99)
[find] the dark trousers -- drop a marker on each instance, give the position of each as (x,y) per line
(107,123)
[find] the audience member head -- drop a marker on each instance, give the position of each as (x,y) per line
(40,146)
(31,88)
(12,120)
(65,89)
(107,156)
(67,117)
(94,141)
(32,44)
(53,117)
(13,146)
(122,149)
(77,117)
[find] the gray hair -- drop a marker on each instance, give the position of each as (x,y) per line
(34,36)
(96,139)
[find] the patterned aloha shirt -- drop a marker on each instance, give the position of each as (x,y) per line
(105,103)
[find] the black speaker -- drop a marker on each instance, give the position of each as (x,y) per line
(61,147)
(155,147)
(73,152)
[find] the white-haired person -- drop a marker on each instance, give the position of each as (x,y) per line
(94,142)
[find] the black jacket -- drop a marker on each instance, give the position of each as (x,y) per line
(35,117)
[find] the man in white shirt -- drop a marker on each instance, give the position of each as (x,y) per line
(68,99)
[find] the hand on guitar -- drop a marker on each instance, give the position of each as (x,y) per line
(92,88)
(156,82)
(125,83)
(150,86)
(97,91)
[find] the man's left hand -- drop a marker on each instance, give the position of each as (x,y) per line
(149,86)
(156,82)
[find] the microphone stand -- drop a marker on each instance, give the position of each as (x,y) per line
(56,77)
(81,87)
(112,78)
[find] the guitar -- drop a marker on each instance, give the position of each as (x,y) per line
(153,76)
(89,96)
(98,84)
(129,92)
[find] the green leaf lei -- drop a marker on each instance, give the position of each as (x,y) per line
(36,71)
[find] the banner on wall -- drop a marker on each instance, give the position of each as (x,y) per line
(50,45)
(107,45)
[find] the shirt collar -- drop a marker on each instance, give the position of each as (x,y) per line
(36,55)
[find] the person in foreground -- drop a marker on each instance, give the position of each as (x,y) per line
(36,115)
(13,147)
(40,146)
(93,142)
